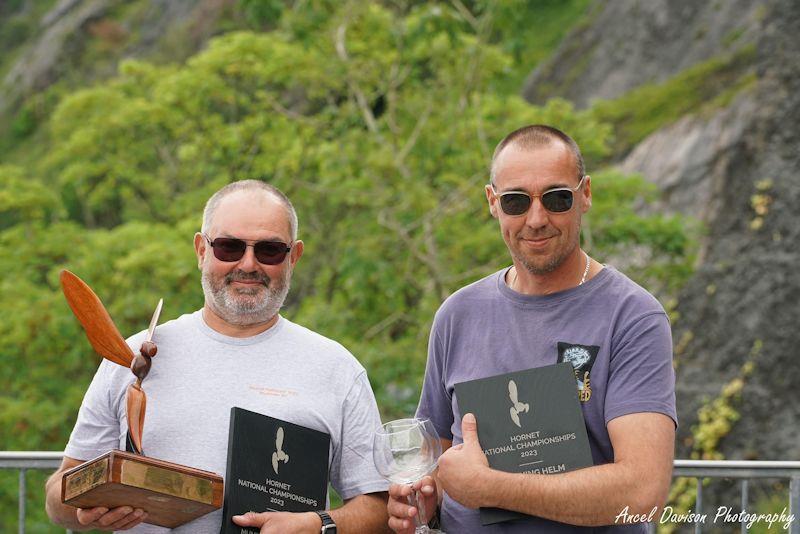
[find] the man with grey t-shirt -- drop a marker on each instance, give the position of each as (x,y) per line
(237,351)
(554,304)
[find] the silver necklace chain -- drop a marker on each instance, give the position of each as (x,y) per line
(583,278)
(585,271)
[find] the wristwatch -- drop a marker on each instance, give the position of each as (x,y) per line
(328,525)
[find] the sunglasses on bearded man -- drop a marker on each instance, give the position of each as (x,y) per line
(557,200)
(230,249)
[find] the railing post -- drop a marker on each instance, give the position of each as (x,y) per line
(794,504)
(22,493)
(699,504)
(744,504)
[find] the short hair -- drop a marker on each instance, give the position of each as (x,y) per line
(247,185)
(535,136)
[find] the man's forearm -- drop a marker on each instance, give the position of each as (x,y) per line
(637,480)
(362,514)
(58,512)
(589,497)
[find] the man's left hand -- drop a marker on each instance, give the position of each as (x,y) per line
(463,469)
(281,522)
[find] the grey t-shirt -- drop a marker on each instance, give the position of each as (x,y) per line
(198,374)
(613,331)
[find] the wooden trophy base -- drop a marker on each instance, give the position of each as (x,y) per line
(171,494)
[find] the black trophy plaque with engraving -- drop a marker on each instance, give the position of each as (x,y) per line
(528,422)
(273,466)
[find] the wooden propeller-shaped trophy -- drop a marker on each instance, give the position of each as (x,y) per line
(172,494)
(108,343)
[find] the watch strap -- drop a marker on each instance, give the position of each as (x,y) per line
(328,525)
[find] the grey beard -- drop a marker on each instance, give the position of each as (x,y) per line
(246,312)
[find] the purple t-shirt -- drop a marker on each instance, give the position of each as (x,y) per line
(615,334)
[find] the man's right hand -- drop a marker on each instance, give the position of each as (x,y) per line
(100,518)
(120,518)
(402,514)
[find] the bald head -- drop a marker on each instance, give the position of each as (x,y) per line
(537,136)
(253,187)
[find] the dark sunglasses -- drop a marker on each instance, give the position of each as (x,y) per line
(231,249)
(555,200)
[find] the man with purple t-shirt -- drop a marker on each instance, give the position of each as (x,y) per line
(554,304)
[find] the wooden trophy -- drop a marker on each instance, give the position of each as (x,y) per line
(171,494)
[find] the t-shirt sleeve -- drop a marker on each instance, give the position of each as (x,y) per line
(641,376)
(435,402)
(353,470)
(97,429)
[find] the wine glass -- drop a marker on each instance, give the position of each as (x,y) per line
(405,450)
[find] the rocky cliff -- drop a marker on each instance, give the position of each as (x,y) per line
(87,39)
(733,166)
(626,43)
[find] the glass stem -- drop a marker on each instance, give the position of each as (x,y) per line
(418,501)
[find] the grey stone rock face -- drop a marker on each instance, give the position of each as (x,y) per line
(751,261)
(627,43)
(64,31)
(688,159)
(724,170)
(36,69)
(737,170)
(746,290)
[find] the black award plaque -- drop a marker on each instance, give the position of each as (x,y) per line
(528,422)
(273,466)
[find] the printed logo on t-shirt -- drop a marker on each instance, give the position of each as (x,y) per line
(582,359)
(273,392)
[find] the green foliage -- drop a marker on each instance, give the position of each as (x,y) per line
(24,123)
(715,419)
(21,137)
(14,32)
(617,228)
(377,121)
(530,30)
(732,36)
(24,200)
(643,110)
(776,502)
(261,14)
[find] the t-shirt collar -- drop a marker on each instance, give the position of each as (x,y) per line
(201,325)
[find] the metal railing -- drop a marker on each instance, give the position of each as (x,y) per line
(24,460)
(744,471)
